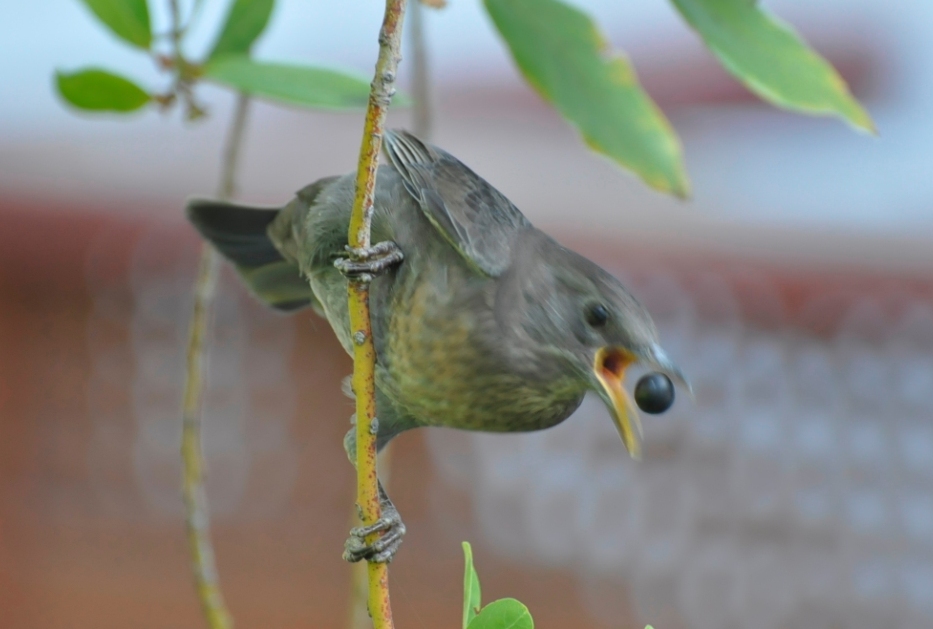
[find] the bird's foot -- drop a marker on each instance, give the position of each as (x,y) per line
(365,264)
(384,548)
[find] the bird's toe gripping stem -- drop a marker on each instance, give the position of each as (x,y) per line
(364,264)
(383,549)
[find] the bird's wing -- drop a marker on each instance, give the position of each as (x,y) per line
(473,216)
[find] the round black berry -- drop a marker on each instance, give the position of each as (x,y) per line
(654,393)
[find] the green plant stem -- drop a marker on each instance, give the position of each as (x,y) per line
(422,118)
(176,32)
(234,145)
(364,352)
(197,519)
(359,580)
(421,126)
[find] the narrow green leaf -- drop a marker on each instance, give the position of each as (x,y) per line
(245,22)
(99,90)
(506,613)
(128,19)
(471,593)
(565,58)
(772,60)
(303,86)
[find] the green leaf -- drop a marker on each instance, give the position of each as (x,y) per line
(471,592)
(245,22)
(565,58)
(99,90)
(128,19)
(506,613)
(303,86)
(771,59)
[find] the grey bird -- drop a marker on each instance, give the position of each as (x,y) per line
(480,322)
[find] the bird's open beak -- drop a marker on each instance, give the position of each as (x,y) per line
(609,366)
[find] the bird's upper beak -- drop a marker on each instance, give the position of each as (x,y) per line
(609,366)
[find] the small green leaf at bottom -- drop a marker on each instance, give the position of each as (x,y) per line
(93,89)
(506,613)
(471,592)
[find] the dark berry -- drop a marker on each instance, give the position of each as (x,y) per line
(654,393)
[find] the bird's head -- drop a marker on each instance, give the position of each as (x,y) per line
(574,310)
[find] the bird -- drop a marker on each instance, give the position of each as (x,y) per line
(480,320)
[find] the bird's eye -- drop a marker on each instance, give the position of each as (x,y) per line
(597,315)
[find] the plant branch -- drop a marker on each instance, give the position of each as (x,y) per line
(227,188)
(422,119)
(196,511)
(364,352)
(421,126)
(359,580)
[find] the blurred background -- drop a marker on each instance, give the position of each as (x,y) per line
(795,288)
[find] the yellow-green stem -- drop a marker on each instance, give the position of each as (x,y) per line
(421,126)
(364,354)
(197,520)
(359,581)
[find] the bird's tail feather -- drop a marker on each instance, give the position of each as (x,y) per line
(240,234)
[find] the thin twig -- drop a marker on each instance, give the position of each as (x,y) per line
(364,352)
(421,126)
(192,15)
(227,187)
(359,579)
(422,119)
(196,511)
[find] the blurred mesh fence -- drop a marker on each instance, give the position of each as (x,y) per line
(795,491)
(137,334)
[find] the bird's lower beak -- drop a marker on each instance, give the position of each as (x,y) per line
(609,366)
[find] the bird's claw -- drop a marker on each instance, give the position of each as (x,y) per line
(365,264)
(384,548)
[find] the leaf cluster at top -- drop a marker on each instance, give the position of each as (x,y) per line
(562,54)
(229,63)
(558,48)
